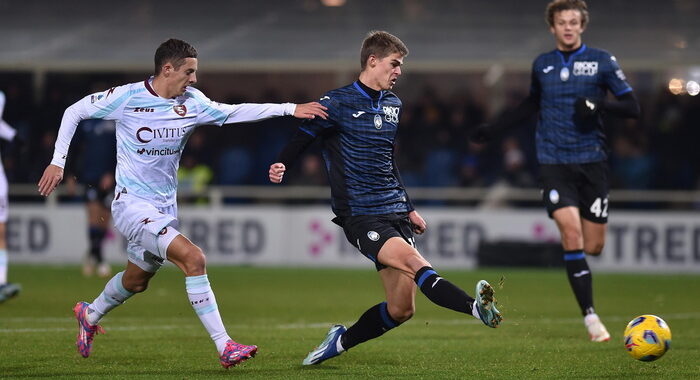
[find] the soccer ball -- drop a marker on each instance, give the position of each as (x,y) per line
(647,338)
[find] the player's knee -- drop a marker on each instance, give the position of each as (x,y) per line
(401,314)
(595,249)
(571,236)
(195,262)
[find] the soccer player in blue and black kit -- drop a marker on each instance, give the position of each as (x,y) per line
(569,86)
(370,201)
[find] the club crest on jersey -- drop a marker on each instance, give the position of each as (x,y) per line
(377,121)
(373,235)
(180,109)
(587,68)
(564,74)
(391,114)
(554,196)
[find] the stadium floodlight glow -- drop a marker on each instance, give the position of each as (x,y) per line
(692,87)
(333,3)
(676,86)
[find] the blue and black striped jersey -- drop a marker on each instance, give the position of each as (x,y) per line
(557,82)
(358,149)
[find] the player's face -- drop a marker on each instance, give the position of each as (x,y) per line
(567,29)
(388,70)
(183,76)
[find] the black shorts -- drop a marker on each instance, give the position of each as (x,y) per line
(94,193)
(580,185)
(368,233)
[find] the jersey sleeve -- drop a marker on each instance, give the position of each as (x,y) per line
(317,125)
(535,86)
(6,131)
(211,112)
(614,77)
(2,103)
(106,105)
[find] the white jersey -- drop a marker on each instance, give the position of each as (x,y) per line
(152,131)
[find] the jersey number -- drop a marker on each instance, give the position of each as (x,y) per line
(600,208)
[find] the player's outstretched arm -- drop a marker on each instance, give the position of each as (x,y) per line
(417,221)
(277,172)
(310,111)
(53,175)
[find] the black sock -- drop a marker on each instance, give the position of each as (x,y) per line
(373,323)
(96,236)
(443,292)
(580,279)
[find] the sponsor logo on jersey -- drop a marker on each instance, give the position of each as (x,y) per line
(158,152)
(109,92)
(358,114)
(325,98)
(180,109)
(377,121)
(94,98)
(391,114)
(143,109)
(146,134)
(373,235)
(548,69)
(587,68)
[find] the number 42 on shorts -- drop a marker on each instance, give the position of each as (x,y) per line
(599,208)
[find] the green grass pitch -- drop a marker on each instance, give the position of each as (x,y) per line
(287,311)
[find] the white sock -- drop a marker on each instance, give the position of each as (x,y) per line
(590,319)
(3,266)
(204,303)
(339,346)
(112,296)
(475,311)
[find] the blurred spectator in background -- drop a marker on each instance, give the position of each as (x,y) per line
(7,289)
(193,178)
(94,164)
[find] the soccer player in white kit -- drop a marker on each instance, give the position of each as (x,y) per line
(154,119)
(7,289)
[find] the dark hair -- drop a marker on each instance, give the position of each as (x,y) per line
(380,44)
(557,6)
(174,51)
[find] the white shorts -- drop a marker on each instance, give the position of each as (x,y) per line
(4,199)
(148,229)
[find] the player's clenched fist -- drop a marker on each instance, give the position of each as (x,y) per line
(277,172)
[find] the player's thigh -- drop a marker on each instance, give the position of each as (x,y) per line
(368,233)
(187,256)
(400,290)
(568,221)
(559,187)
(399,254)
(148,229)
(593,237)
(594,190)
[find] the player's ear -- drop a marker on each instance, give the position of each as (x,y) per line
(167,69)
(372,60)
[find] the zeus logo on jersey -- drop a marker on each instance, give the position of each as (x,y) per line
(391,114)
(587,68)
(146,134)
